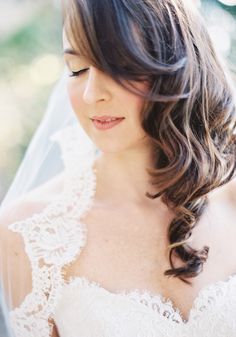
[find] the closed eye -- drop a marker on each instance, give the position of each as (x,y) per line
(77,73)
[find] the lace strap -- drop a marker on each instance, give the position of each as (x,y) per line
(54,238)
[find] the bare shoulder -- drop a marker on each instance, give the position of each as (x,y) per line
(217,229)
(30,203)
(13,256)
(33,200)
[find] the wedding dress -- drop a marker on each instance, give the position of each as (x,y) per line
(82,307)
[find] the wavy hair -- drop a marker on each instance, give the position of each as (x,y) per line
(190,113)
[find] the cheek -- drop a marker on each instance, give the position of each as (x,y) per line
(77,104)
(136,102)
(134,108)
(75,96)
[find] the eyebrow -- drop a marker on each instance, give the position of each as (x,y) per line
(71,52)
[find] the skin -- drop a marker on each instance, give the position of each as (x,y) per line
(126,149)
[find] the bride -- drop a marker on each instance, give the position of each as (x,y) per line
(124,225)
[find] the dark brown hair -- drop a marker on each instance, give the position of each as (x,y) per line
(190,115)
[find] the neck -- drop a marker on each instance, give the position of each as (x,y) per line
(122,176)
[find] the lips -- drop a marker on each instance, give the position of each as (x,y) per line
(106,118)
(106,122)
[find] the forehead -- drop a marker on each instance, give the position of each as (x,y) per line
(65,41)
(68,50)
(67,46)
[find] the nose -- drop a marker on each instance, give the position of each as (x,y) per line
(95,87)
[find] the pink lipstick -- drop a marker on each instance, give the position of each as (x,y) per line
(106,122)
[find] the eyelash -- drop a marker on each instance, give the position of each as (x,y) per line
(77,73)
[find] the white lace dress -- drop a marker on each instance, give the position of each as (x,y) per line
(83,308)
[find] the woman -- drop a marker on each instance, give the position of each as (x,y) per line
(136,236)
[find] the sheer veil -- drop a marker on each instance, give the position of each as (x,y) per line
(42,159)
(42,162)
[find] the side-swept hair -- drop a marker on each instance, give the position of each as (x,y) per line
(190,113)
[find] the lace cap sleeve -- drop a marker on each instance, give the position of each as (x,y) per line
(54,237)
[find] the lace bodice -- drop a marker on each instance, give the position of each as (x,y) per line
(55,237)
(87,309)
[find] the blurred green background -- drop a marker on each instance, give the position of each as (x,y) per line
(31,62)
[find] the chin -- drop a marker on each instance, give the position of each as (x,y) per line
(113,148)
(110,149)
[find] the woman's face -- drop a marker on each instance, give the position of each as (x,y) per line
(93,94)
